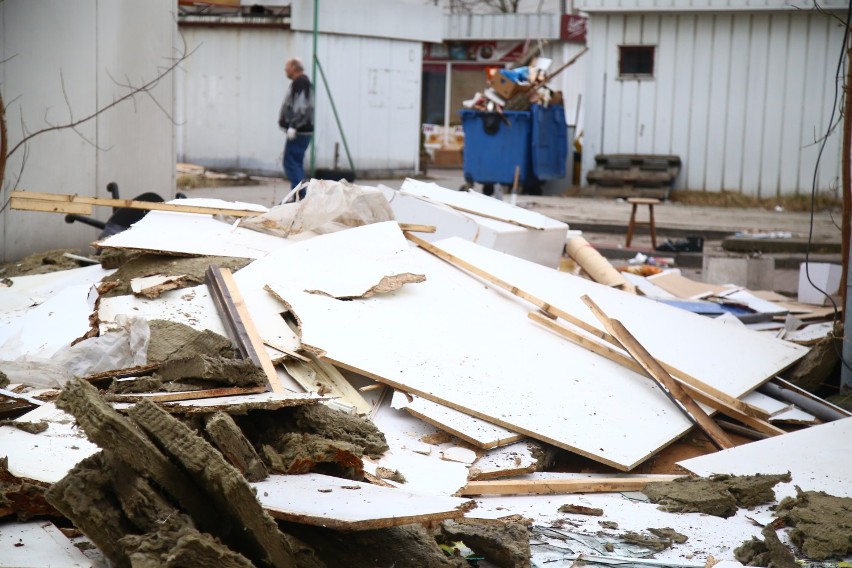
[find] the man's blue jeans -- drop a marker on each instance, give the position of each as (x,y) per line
(294,156)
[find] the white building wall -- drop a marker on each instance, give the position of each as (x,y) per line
(61,62)
(233,85)
(741,97)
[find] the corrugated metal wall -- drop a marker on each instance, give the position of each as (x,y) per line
(233,85)
(742,98)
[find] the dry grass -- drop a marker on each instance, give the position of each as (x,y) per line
(733,199)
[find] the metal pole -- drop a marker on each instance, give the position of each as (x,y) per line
(336,118)
(314,78)
(447,91)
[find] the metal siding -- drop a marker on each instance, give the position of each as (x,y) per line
(681,105)
(770,163)
(829,167)
(665,77)
(737,99)
(629,90)
(595,97)
(648,89)
(613,118)
(755,104)
(742,98)
(699,120)
(794,103)
(720,65)
(234,84)
(624,6)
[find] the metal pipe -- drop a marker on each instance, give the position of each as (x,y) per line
(336,118)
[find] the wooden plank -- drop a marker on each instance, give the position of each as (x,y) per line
(342,504)
(672,388)
(556,486)
(723,405)
(20,397)
(414,228)
(324,379)
(47,206)
(185,395)
(29,199)
(231,305)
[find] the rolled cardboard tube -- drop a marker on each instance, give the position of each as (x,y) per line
(595,265)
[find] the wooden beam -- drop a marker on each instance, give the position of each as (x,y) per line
(20,397)
(232,307)
(185,395)
(554,486)
(47,206)
(553,311)
(35,201)
(664,380)
(723,406)
(417,228)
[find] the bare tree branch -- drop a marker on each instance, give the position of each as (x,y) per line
(134,90)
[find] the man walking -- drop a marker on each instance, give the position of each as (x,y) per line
(297,119)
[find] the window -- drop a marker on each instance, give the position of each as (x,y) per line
(635,61)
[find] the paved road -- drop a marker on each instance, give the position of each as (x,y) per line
(609,215)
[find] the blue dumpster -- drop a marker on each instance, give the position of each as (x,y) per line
(536,141)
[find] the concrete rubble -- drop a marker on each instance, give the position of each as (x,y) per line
(381,377)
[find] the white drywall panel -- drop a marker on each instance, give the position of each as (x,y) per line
(47,456)
(455,341)
(502,226)
(816,457)
(469,428)
(733,360)
(37,544)
(336,503)
(193,234)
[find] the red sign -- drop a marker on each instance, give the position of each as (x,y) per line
(573,28)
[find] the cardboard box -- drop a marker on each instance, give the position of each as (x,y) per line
(824,279)
(504,87)
(447,158)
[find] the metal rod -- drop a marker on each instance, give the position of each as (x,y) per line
(336,117)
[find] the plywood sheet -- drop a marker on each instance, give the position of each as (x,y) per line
(457,342)
(816,457)
(192,234)
(342,504)
(469,428)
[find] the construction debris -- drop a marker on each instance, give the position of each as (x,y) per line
(358,395)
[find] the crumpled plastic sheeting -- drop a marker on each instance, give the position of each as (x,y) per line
(121,349)
(329,206)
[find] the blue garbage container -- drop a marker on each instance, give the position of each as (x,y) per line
(495,144)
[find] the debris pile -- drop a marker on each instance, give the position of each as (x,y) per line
(394,376)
